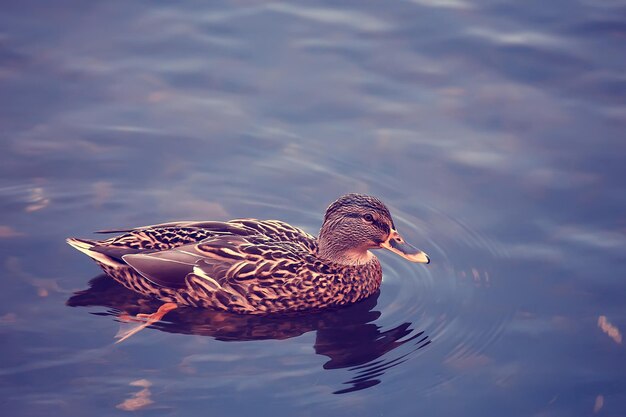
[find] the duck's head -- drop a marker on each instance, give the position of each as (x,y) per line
(356,223)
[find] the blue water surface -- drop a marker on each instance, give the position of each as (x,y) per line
(494,130)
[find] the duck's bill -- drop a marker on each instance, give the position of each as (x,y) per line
(397,245)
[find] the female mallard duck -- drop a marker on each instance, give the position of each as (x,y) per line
(256,266)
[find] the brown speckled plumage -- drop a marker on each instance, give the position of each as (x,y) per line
(250,266)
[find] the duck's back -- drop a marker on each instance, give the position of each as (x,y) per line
(166,236)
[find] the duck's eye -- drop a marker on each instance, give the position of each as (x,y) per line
(368,218)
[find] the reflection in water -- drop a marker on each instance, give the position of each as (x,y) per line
(610,330)
(37,200)
(139,399)
(348,336)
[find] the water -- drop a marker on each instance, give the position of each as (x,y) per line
(494,130)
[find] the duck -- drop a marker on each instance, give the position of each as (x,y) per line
(251,266)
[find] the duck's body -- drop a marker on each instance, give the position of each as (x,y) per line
(254,266)
(243,266)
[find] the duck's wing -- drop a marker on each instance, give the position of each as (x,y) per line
(164,236)
(223,261)
(167,236)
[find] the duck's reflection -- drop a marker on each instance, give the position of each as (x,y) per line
(348,336)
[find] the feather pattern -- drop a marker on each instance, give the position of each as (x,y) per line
(255,266)
(243,266)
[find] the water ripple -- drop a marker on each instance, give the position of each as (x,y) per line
(421,310)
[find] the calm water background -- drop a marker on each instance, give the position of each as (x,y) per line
(493,129)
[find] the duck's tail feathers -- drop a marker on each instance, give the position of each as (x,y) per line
(85,246)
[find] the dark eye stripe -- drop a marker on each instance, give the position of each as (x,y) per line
(377,223)
(382,226)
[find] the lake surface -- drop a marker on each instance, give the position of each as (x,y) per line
(494,130)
